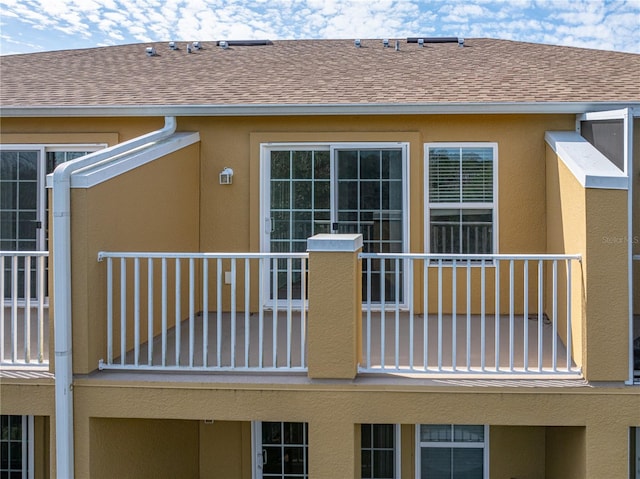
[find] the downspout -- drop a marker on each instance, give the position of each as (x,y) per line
(628,143)
(62,288)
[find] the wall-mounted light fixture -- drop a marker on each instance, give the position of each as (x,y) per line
(226,176)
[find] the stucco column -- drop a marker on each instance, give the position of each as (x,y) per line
(607,450)
(332,447)
(334,329)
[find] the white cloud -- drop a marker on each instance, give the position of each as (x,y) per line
(591,23)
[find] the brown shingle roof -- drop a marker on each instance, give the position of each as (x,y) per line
(294,72)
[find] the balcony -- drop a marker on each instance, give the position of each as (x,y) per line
(486,315)
(24,312)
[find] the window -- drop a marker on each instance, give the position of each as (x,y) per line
(447,451)
(379,450)
(283,450)
(16,451)
(23,201)
(634,453)
(460,187)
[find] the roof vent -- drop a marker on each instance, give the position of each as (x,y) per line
(357,43)
(197,45)
(223,44)
(385,43)
(460,42)
(421,42)
(151,52)
(173,45)
(189,48)
(397,45)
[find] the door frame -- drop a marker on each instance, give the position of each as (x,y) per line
(332,147)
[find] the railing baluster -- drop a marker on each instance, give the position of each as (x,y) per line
(483,314)
(150,311)
(525,319)
(468,363)
(123,311)
(109,311)
(136,311)
(247,296)
(219,312)
(164,311)
(439,315)
(383,325)
(2,335)
(497,315)
(233,312)
(540,311)
(368,301)
(454,314)
(178,309)
(569,331)
(303,309)
(14,309)
(511,313)
(289,304)
(554,320)
(41,279)
(274,338)
(205,312)
(397,313)
(27,309)
(261,276)
(425,328)
(192,312)
(409,296)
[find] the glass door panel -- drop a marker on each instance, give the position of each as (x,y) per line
(300,185)
(283,448)
(369,201)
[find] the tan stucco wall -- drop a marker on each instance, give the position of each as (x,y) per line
(333,409)
(590,221)
(517,451)
(225,449)
(636,216)
(122,448)
(152,208)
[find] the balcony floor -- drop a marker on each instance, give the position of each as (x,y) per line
(246,351)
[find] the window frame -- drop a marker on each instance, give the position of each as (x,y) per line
(42,149)
(460,205)
(452,445)
(27,469)
(396,448)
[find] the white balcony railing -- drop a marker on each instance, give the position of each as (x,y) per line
(206,311)
(24,328)
(487,314)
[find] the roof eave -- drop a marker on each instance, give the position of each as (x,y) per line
(314,109)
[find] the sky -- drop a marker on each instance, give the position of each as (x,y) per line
(41,25)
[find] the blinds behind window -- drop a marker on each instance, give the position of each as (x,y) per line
(461,175)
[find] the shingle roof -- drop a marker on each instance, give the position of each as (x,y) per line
(328,72)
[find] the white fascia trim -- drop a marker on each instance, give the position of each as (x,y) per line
(316,109)
(590,167)
(95,174)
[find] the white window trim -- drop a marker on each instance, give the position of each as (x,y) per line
(265,190)
(485,447)
(256,448)
(494,203)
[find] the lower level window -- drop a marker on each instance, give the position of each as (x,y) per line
(634,467)
(448,451)
(378,451)
(16,461)
(284,450)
